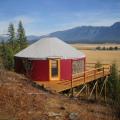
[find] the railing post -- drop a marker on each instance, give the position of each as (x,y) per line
(84,69)
(110,70)
(84,77)
(103,71)
(87,89)
(105,92)
(94,74)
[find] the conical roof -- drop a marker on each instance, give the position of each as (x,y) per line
(50,47)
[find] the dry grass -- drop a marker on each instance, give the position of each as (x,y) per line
(16,102)
(107,57)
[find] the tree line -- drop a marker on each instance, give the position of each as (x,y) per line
(107,48)
(15,43)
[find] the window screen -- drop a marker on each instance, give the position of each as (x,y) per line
(78,66)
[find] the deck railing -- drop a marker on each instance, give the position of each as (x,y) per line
(93,73)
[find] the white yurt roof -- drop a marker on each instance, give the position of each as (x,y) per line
(50,47)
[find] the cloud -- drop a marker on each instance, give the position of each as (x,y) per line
(93,18)
(63,21)
(26,20)
(39,25)
(3,27)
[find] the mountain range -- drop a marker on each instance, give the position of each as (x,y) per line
(90,34)
(85,34)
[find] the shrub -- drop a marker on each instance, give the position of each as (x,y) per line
(98,65)
(103,48)
(116,48)
(98,48)
(114,88)
(110,48)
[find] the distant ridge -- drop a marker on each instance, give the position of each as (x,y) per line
(84,34)
(90,34)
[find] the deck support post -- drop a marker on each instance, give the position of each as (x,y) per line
(105,94)
(71,90)
(92,90)
(104,87)
(96,90)
(88,88)
(86,91)
(78,94)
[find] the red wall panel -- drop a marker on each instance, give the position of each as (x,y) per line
(40,70)
(65,69)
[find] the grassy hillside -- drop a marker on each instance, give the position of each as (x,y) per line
(20,99)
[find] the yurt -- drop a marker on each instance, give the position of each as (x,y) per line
(49,59)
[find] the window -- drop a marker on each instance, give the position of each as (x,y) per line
(54,68)
(27,64)
(78,66)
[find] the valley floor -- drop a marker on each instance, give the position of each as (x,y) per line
(106,57)
(102,56)
(94,46)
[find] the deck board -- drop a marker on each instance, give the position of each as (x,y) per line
(62,85)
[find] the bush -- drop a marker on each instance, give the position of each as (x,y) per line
(98,65)
(98,48)
(110,48)
(116,48)
(7,55)
(114,88)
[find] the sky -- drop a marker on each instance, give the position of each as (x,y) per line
(41,17)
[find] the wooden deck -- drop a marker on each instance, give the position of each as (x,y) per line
(89,75)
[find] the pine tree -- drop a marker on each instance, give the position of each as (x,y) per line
(3,52)
(8,49)
(22,40)
(12,39)
(7,56)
